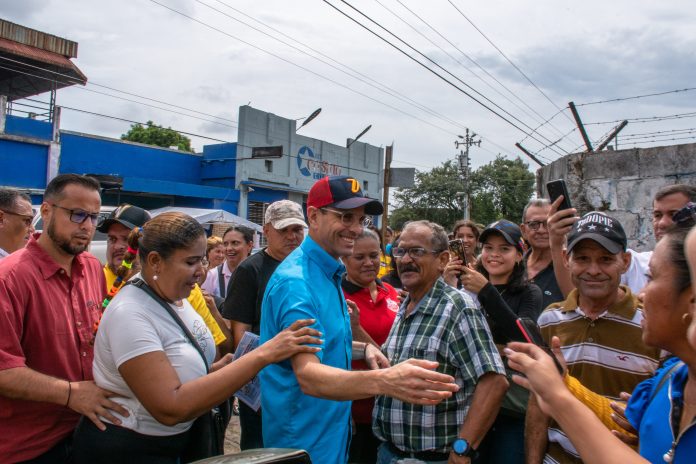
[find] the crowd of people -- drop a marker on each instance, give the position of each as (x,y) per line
(544,340)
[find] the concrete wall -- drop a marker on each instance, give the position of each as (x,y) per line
(623,183)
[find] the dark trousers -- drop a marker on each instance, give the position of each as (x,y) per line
(363,446)
(118,445)
(504,442)
(250,422)
(59,454)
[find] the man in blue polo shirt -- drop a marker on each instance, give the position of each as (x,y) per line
(306,400)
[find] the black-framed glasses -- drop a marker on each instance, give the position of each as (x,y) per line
(78,216)
(534,225)
(26,218)
(413,252)
(348,218)
(686,215)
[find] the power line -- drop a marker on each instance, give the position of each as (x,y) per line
(79,110)
(664,132)
(647,119)
(304,68)
(431,70)
(353,72)
(662,140)
(459,62)
(71,81)
(507,59)
(636,97)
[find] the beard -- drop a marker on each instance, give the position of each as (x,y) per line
(63,243)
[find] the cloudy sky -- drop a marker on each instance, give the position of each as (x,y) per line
(203,57)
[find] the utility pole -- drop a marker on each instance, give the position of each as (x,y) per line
(387,180)
(468,141)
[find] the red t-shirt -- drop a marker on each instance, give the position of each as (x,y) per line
(377,318)
(46,324)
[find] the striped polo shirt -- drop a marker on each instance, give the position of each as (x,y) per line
(606,354)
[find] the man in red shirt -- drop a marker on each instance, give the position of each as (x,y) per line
(50,302)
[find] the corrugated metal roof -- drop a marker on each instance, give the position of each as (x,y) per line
(43,56)
(37,39)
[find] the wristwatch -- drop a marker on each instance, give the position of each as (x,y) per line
(461,447)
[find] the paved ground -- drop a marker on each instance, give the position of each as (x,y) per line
(232,436)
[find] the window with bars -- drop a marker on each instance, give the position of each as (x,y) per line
(256,213)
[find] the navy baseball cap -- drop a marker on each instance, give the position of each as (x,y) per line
(342,192)
(601,228)
(127,215)
(506,229)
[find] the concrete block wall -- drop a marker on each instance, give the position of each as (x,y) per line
(623,183)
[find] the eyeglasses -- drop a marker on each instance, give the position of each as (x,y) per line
(413,252)
(348,218)
(26,218)
(686,215)
(78,216)
(534,225)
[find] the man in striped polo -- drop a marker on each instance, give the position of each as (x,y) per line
(599,328)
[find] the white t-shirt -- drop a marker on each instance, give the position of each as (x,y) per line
(135,324)
(635,277)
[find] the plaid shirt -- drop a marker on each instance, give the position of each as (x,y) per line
(446,327)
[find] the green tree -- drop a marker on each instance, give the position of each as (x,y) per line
(152,134)
(499,189)
(433,197)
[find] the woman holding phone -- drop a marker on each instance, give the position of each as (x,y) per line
(504,294)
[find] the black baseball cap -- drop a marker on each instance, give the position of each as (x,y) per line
(127,215)
(342,192)
(601,228)
(508,230)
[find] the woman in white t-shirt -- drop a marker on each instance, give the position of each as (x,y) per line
(143,355)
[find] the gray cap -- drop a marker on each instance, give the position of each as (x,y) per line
(284,213)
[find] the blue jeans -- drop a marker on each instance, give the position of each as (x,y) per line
(385,456)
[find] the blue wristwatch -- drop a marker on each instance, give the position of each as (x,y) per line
(461,447)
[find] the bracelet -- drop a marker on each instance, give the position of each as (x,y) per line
(69,392)
(365,351)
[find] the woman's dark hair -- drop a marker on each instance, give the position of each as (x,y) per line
(165,234)
(517,280)
(247,233)
(675,238)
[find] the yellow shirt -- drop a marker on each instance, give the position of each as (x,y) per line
(195,298)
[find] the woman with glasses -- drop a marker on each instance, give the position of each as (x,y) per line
(153,351)
(375,306)
(662,409)
(504,294)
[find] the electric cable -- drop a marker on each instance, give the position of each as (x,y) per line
(636,97)
(508,59)
(433,71)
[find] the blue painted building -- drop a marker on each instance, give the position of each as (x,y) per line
(224,176)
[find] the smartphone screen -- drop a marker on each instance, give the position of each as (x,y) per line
(532,334)
(456,247)
(556,188)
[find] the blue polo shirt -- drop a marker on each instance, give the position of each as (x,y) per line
(306,285)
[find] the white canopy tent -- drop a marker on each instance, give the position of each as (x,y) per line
(209,216)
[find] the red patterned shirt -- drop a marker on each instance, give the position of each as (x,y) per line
(46,324)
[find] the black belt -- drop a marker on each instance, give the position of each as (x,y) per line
(422,455)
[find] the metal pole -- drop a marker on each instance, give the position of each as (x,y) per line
(613,134)
(531,156)
(385,197)
(578,121)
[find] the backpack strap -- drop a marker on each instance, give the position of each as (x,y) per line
(221,282)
